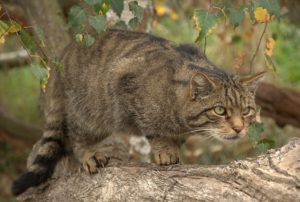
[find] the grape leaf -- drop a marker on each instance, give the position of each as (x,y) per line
(3,27)
(28,41)
(39,71)
(88,39)
(40,33)
(250,8)
(94,2)
(255,131)
(117,6)
(121,25)
(205,21)
(14,27)
(98,23)
(136,10)
(76,18)
(133,23)
(236,16)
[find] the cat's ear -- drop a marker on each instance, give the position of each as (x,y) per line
(201,85)
(252,82)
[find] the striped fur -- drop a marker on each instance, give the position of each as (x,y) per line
(136,83)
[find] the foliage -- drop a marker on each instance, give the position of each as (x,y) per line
(79,18)
(259,11)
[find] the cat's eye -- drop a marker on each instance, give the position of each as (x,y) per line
(220,111)
(247,111)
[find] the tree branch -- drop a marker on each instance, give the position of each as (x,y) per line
(282,105)
(274,176)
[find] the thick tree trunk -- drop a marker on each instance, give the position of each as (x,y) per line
(48,16)
(274,176)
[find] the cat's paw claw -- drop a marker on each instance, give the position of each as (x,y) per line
(166,157)
(95,161)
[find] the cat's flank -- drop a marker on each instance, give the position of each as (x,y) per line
(136,83)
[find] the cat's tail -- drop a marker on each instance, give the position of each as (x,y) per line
(51,147)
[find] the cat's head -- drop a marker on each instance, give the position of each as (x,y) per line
(221,105)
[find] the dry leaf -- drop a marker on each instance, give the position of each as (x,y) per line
(239,61)
(270,46)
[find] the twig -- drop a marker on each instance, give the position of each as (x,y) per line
(18,36)
(204,46)
(257,48)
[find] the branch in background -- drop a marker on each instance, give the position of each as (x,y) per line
(14,59)
(273,176)
(282,105)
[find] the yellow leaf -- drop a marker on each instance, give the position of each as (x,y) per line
(14,27)
(2,39)
(261,15)
(173,15)
(160,10)
(270,46)
(79,38)
(197,24)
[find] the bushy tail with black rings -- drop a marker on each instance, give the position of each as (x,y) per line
(51,147)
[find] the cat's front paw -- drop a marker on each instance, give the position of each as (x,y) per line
(166,157)
(93,161)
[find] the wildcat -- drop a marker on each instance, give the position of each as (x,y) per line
(140,84)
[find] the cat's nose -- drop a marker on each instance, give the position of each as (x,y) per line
(237,129)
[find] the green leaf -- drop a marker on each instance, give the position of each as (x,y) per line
(272,6)
(206,21)
(40,33)
(137,10)
(235,16)
(14,27)
(117,6)
(88,39)
(57,64)
(98,23)
(270,62)
(39,71)
(28,41)
(103,8)
(3,26)
(270,142)
(94,2)
(250,7)
(121,25)
(79,38)
(264,144)
(133,23)
(236,38)
(255,130)
(76,18)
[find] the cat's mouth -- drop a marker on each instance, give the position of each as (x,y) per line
(232,137)
(229,137)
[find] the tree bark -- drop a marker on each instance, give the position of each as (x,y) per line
(48,16)
(274,176)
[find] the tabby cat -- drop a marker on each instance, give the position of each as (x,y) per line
(136,83)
